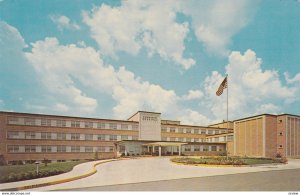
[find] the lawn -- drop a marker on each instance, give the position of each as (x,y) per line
(224,161)
(10,173)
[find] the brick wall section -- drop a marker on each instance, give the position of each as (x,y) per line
(248,137)
(271,135)
(281,135)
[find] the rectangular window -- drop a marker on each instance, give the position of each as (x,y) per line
(46,122)
(30,148)
(196,148)
(188,130)
(216,131)
(180,130)
(61,148)
(101,137)
(188,139)
(29,135)
(46,148)
(88,124)
(205,148)
(29,121)
(60,123)
(124,137)
(163,139)
(210,132)
(112,138)
(135,127)
(75,148)
(75,124)
(13,120)
(100,125)
(172,139)
(229,137)
(75,136)
(216,139)
(88,149)
(134,138)
(180,139)
(196,131)
(88,137)
(172,129)
(164,129)
(112,126)
(196,139)
(187,148)
(223,131)
(100,149)
(110,148)
(12,149)
(213,148)
(45,135)
(124,127)
(203,131)
(12,135)
(61,136)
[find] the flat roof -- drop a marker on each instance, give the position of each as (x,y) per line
(265,114)
(75,117)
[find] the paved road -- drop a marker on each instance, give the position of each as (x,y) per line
(146,170)
(280,180)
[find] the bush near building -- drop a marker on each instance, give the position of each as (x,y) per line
(222,160)
(12,173)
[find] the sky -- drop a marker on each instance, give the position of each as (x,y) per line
(111,58)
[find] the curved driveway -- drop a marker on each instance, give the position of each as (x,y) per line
(155,169)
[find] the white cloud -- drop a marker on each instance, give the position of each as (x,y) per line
(268,108)
(55,65)
(292,80)
(215,22)
(61,107)
(9,34)
(138,24)
(63,22)
(193,95)
(251,89)
(65,70)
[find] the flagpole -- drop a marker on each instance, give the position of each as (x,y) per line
(227,119)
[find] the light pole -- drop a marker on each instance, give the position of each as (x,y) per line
(37,167)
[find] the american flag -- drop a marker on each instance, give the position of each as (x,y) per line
(222,87)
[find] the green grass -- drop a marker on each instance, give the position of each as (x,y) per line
(10,173)
(223,161)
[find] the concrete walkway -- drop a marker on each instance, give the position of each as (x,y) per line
(78,170)
(146,170)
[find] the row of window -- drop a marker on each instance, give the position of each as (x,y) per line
(67,123)
(192,131)
(67,136)
(51,148)
(181,139)
(220,139)
(198,148)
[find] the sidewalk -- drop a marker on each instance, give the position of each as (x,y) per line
(78,170)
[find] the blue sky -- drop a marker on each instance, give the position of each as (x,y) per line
(108,59)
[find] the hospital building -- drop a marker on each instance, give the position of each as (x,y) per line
(29,137)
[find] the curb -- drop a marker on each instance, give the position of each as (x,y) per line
(94,170)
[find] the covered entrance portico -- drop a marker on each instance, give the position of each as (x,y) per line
(145,147)
(164,147)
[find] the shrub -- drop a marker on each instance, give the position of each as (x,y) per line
(283,160)
(278,155)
